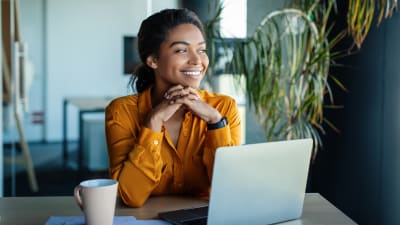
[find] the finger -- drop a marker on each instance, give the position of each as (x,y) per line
(178,93)
(189,97)
(192,91)
(193,97)
(185,92)
(187,100)
(172,90)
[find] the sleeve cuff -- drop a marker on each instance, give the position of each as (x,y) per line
(218,137)
(150,139)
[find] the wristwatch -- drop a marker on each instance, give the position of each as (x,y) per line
(222,123)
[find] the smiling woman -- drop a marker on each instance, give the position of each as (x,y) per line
(163,139)
(182,58)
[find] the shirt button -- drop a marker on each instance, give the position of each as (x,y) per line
(155,142)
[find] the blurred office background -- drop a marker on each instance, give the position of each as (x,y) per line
(76,50)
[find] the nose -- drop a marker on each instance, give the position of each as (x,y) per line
(195,58)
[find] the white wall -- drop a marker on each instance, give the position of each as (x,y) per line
(157,5)
(84,52)
(76,49)
(258,9)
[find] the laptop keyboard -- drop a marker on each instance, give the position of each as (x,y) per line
(202,221)
(193,216)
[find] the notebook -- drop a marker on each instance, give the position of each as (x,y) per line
(253,184)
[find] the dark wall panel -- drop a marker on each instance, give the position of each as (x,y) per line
(391,127)
(358,170)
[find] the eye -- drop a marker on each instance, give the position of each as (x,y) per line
(203,51)
(181,50)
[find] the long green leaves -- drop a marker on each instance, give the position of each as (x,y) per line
(359,19)
(387,8)
(360,14)
(286,65)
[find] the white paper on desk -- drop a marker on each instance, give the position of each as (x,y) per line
(118,220)
(80,220)
(151,222)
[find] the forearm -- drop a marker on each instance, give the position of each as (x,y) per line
(139,176)
(137,166)
(226,136)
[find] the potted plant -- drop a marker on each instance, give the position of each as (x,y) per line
(286,63)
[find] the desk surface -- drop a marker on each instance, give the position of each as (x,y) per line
(89,103)
(36,210)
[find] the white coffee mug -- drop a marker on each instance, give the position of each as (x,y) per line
(97,199)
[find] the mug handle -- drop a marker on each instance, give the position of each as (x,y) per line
(77,195)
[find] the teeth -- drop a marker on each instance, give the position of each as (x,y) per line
(192,73)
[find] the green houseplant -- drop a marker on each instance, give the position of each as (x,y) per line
(360,14)
(286,63)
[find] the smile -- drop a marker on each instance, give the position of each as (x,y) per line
(192,73)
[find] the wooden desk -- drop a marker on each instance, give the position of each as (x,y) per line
(36,210)
(85,105)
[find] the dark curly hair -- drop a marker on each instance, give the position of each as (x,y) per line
(153,31)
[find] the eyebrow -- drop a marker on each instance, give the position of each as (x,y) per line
(184,43)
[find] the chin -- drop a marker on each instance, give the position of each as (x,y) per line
(191,84)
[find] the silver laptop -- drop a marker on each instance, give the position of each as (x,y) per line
(255,184)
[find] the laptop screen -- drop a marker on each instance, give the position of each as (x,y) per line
(258,183)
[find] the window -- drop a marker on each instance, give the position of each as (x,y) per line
(234,18)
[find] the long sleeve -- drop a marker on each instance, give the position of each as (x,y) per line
(229,135)
(134,154)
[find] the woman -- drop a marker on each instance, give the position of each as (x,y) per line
(163,139)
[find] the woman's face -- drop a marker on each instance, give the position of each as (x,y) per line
(182,58)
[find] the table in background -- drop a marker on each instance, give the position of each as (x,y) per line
(37,210)
(85,105)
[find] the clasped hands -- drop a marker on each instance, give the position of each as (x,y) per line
(179,97)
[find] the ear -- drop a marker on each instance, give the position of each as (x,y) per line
(152,62)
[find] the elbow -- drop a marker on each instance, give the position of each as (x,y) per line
(133,202)
(130,200)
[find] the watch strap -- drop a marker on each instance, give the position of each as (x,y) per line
(222,123)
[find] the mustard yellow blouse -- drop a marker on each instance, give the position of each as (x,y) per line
(146,162)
